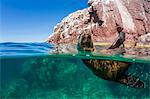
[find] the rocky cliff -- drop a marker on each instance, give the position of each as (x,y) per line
(102,17)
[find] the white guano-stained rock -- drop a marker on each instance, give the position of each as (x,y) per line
(132,15)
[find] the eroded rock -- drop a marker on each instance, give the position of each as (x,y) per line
(132,15)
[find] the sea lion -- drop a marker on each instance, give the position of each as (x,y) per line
(107,69)
(120,40)
(94,16)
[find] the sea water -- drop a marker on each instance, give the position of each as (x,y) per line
(28,70)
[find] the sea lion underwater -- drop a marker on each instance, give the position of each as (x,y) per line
(107,69)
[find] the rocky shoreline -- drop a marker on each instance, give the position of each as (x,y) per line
(133,16)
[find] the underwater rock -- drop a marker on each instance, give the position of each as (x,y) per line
(17,89)
(49,73)
(132,15)
(58,78)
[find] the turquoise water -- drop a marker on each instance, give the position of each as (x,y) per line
(29,70)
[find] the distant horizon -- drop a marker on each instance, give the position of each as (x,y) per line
(33,21)
(23,42)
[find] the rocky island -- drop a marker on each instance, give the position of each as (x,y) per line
(132,15)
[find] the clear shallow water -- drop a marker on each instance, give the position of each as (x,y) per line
(15,49)
(29,70)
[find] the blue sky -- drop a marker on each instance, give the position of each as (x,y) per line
(33,20)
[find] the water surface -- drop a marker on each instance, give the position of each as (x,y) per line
(32,70)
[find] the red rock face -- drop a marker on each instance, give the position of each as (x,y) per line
(132,15)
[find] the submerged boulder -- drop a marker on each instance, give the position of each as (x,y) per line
(132,15)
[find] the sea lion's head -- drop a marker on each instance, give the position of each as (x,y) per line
(85,40)
(119,29)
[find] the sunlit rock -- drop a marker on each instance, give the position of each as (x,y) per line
(132,15)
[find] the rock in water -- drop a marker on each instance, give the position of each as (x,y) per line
(132,15)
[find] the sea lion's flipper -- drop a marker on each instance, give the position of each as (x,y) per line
(131,81)
(116,44)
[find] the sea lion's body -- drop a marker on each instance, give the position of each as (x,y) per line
(106,69)
(120,40)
